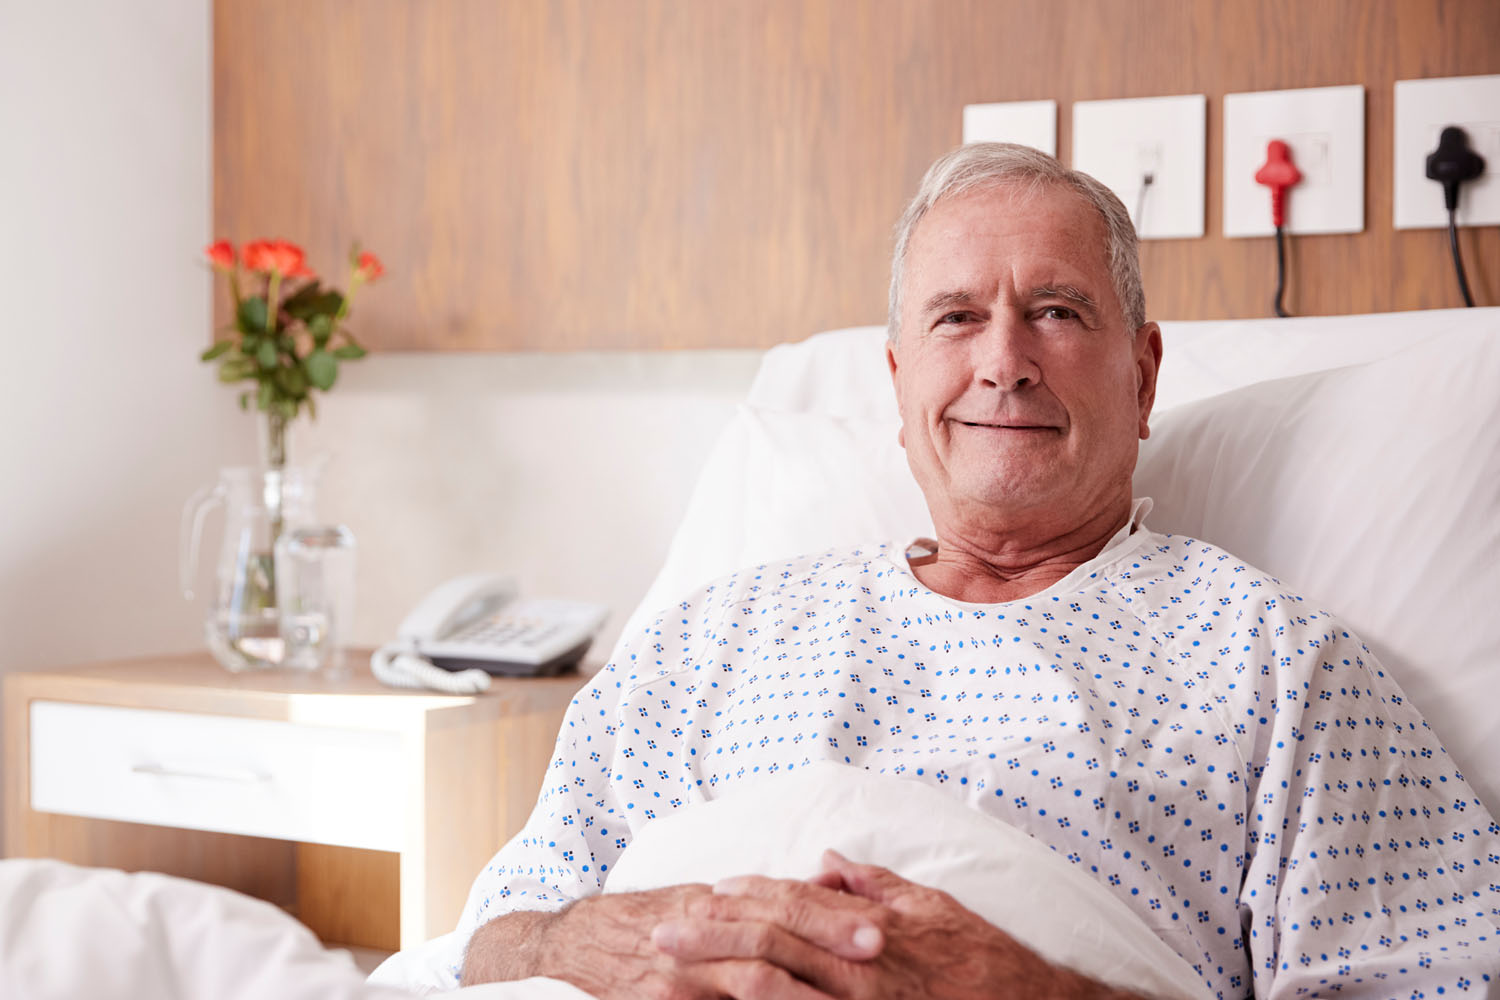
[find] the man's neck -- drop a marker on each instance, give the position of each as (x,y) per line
(987,566)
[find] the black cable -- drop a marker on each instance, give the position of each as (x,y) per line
(1451,165)
(1458,258)
(1147,180)
(1280,270)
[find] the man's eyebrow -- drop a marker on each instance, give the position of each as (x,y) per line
(947,300)
(1068,292)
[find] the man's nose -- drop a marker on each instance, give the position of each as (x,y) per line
(1005,356)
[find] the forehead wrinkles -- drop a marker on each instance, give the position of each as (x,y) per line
(970,243)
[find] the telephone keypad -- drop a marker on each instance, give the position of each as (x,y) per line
(507,630)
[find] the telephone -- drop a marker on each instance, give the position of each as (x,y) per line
(473,626)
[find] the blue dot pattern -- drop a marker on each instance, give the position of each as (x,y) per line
(1232,763)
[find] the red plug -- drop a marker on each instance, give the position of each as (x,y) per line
(1278,173)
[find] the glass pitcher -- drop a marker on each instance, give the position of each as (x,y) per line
(241,626)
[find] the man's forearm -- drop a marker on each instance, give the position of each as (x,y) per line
(507,948)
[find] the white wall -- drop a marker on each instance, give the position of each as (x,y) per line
(568,471)
(110,420)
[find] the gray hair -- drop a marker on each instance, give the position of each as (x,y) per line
(981,164)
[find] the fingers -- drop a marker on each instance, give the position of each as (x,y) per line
(745,941)
(828,880)
(838,923)
(755,981)
(870,881)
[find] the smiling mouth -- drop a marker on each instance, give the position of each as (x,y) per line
(1008,427)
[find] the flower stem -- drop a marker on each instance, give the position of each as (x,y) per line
(273,305)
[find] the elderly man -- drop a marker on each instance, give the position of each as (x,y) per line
(1229,762)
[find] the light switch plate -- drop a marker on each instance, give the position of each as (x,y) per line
(1423,108)
(1119,142)
(1030,123)
(1325,128)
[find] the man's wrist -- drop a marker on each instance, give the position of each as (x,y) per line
(1077,986)
(510,947)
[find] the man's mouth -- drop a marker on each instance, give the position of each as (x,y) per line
(984,425)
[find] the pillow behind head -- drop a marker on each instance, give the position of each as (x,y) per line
(1374,490)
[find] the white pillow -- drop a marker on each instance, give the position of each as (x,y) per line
(780,826)
(782,484)
(1373,491)
(1206,357)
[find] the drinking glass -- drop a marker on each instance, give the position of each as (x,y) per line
(315,596)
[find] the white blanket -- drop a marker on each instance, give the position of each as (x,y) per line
(780,826)
(68,932)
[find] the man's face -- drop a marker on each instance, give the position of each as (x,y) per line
(1021,391)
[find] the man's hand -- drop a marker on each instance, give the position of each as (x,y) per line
(604,945)
(928,945)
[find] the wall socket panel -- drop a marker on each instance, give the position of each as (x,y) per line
(1423,109)
(1030,123)
(1325,128)
(1120,142)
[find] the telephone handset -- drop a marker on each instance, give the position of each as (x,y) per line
(473,626)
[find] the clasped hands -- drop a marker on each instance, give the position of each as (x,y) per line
(853,931)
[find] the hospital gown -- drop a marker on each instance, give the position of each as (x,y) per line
(1230,761)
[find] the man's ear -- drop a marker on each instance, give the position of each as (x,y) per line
(890,360)
(1147,366)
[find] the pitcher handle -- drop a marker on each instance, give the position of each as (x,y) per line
(193,513)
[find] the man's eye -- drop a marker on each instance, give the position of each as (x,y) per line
(1059,312)
(955,317)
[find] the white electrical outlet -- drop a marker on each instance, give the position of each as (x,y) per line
(1423,109)
(1325,130)
(1031,123)
(1121,143)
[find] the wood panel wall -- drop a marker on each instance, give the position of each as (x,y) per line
(562,174)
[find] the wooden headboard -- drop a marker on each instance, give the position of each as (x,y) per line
(564,174)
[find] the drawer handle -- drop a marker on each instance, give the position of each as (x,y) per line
(244,776)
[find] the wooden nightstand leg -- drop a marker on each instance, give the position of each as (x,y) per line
(349,896)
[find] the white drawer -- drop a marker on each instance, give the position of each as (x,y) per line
(207,772)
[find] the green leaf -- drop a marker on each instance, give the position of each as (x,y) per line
(235,368)
(321,369)
(294,304)
(350,352)
(292,381)
(321,328)
(264,396)
(287,408)
(310,301)
(252,314)
(219,348)
(266,354)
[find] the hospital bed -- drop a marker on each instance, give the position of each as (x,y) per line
(1356,457)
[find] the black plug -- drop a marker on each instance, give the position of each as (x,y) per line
(1452,163)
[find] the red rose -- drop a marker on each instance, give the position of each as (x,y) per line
(221,255)
(369,267)
(280,256)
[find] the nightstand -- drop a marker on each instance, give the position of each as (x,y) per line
(364,810)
